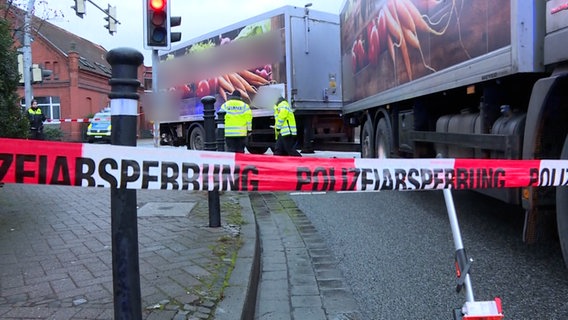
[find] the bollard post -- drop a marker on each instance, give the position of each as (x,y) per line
(220,130)
(124,224)
(211,145)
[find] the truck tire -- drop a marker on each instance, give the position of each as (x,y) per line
(367,144)
(383,140)
(196,138)
(562,210)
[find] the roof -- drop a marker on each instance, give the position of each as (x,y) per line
(91,55)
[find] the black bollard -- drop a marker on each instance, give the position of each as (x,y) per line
(211,145)
(124,224)
(220,130)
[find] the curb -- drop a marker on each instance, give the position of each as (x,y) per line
(240,296)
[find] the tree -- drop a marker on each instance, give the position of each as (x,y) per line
(13,122)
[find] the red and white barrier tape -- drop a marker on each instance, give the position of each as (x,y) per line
(69,120)
(76,120)
(87,165)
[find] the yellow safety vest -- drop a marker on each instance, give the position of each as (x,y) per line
(284,119)
(37,111)
(36,118)
(238,118)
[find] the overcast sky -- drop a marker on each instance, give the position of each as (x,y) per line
(198,17)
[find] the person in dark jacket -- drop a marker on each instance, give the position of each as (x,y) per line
(36,118)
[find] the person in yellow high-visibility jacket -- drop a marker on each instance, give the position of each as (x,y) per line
(36,119)
(285,127)
(238,122)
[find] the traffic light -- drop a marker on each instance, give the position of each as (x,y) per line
(111,19)
(156,24)
(39,73)
(79,8)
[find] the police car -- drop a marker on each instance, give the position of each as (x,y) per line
(99,129)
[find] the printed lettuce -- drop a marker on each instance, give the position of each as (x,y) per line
(254,29)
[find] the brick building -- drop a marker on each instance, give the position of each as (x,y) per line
(78,86)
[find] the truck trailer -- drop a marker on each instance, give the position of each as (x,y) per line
(290,51)
(463,79)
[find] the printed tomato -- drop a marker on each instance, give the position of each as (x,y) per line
(354,61)
(360,53)
(186,91)
(263,73)
(202,88)
(374,45)
(213,83)
(382,30)
(268,68)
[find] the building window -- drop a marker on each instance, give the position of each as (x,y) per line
(147,84)
(50,106)
(48,67)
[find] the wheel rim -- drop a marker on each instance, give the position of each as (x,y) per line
(366,141)
(382,139)
(381,148)
(366,146)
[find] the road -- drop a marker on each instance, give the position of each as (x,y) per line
(396,250)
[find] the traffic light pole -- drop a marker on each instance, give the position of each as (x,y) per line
(27,52)
(156,124)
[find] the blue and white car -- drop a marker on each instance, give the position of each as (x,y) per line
(100,128)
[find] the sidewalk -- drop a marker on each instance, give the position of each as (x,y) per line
(55,257)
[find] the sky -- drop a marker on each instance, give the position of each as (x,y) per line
(198,17)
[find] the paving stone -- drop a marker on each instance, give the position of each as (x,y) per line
(312,313)
(57,263)
(306,299)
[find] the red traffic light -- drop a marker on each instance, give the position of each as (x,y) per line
(157,5)
(157,24)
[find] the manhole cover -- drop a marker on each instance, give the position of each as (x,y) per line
(165,209)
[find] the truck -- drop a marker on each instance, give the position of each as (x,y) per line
(471,79)
(290,51)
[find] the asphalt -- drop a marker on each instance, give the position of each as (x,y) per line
(266,261)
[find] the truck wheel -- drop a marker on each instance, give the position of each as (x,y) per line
(562,210)
(367,147)
(196,138)
(383,140)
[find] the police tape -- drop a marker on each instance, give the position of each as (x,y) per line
(55,121)
(103,166)
(79,120)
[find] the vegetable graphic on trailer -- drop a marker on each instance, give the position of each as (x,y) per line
(250,75)
(238,51)
(386,43)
